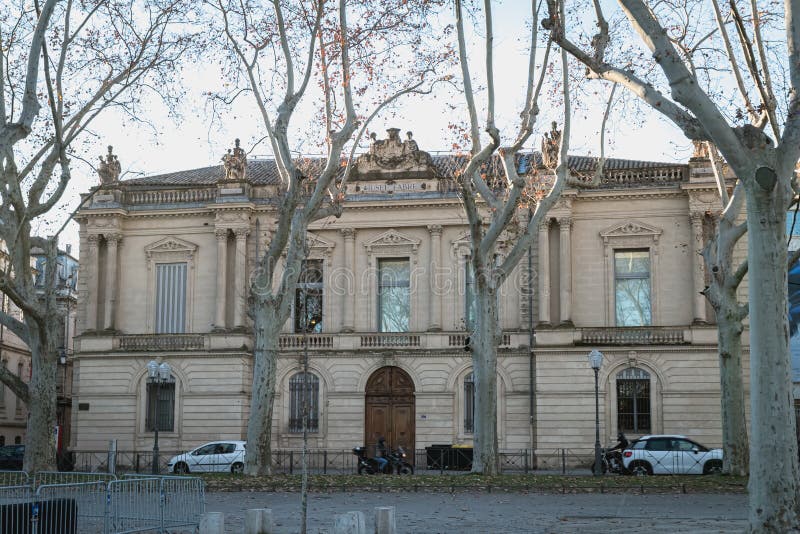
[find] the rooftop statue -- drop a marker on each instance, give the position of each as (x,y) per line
(235,164)
(109,168)
(551,144)
(393,154)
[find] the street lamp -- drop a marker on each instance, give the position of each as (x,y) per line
(157,376)
(596,361)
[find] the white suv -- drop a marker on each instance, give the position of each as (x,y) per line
(217,456)
(670,455)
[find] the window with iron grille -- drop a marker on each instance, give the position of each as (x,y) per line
(632,287)
(297,388)
(170,298)
(633,400)
(161,411)
(394,295)
(308,298)
(469,403)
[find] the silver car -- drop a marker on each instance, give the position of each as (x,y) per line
(215,457)
(670,455)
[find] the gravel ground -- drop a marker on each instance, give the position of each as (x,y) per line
(497,513)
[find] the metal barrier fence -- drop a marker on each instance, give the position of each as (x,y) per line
(14,478)
(436,458)
(105,506)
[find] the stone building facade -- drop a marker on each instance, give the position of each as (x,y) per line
(385,302)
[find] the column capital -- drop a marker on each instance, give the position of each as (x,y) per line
(241,233)
(565,222)
(113,239)
(221,234)
(544,225)
(92,239)
(697,217)
(349,234)
(435,229)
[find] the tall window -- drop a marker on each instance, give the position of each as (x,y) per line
(18,406)
(394,289)
(308,298)
(469,403)
(170,298)
(297,388)
(470,306)
(633,400)
(632,287)
(162,412)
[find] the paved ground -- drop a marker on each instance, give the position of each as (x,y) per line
(497,513)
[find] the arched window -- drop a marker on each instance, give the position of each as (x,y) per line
(297,386)
(161,406)
(469,403)
(633,400)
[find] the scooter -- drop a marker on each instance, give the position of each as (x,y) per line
(611,462)
(398,462)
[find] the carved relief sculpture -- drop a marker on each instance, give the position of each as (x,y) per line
(109,168)
(235,163)
(392,154)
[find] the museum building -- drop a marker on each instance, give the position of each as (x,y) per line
(383,310)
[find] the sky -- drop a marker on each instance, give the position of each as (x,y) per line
(194,140)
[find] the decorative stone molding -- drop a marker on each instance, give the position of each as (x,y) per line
(241,233)
(630,229)
(320,248)
(391,242)
(435,229)
(349,234)
(221,234)
(170,249)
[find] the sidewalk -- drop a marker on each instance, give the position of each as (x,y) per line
(497,513)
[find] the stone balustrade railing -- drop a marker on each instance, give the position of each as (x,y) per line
(643,335)
(155,342)
(170,196)
(390,340)
(298,341)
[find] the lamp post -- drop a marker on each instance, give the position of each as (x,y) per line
(596,361)
(157,376)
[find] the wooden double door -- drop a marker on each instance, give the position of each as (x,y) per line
(390,409)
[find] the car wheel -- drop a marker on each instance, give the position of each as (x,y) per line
(237,468)
(181,469)
(712,467)
(640,469)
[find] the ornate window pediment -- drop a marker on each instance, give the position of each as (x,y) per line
(631,229)
(175,248)
(392,241)
(318,243)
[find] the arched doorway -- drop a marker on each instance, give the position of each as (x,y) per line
(389,408)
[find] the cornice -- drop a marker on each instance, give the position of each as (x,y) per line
(618,194)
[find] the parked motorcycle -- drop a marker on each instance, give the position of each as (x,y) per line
(610,461)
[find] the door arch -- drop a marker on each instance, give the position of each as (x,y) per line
(389,409)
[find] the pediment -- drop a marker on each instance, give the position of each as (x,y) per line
(316,241)
(392,238)
(629,229)
(170,244)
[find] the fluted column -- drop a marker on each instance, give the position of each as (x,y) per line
(348,282)
(93,270)
(565,269)
(544,271)
(434,293)
(698,268)
(112,249)
(222,278)
(241,257)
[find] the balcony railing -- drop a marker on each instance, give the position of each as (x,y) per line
(642,335)
(146,342)
(459,340)
(315,341)
(390,340)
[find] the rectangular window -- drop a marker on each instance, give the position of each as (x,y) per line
(161,411)
(394,292)
(632,287)
(633,405)
(299,384)
(469,403)
(308,298)
(170,298)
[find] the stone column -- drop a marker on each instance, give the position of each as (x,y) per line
(93,270)
(434,293)
(348,282)
(565,269)
(239,298)
(222,278)
(544,272)
(698,268)
(112,242)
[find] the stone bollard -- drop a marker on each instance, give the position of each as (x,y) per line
(349,523)
(258,521)
(384,520)
(212,523)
